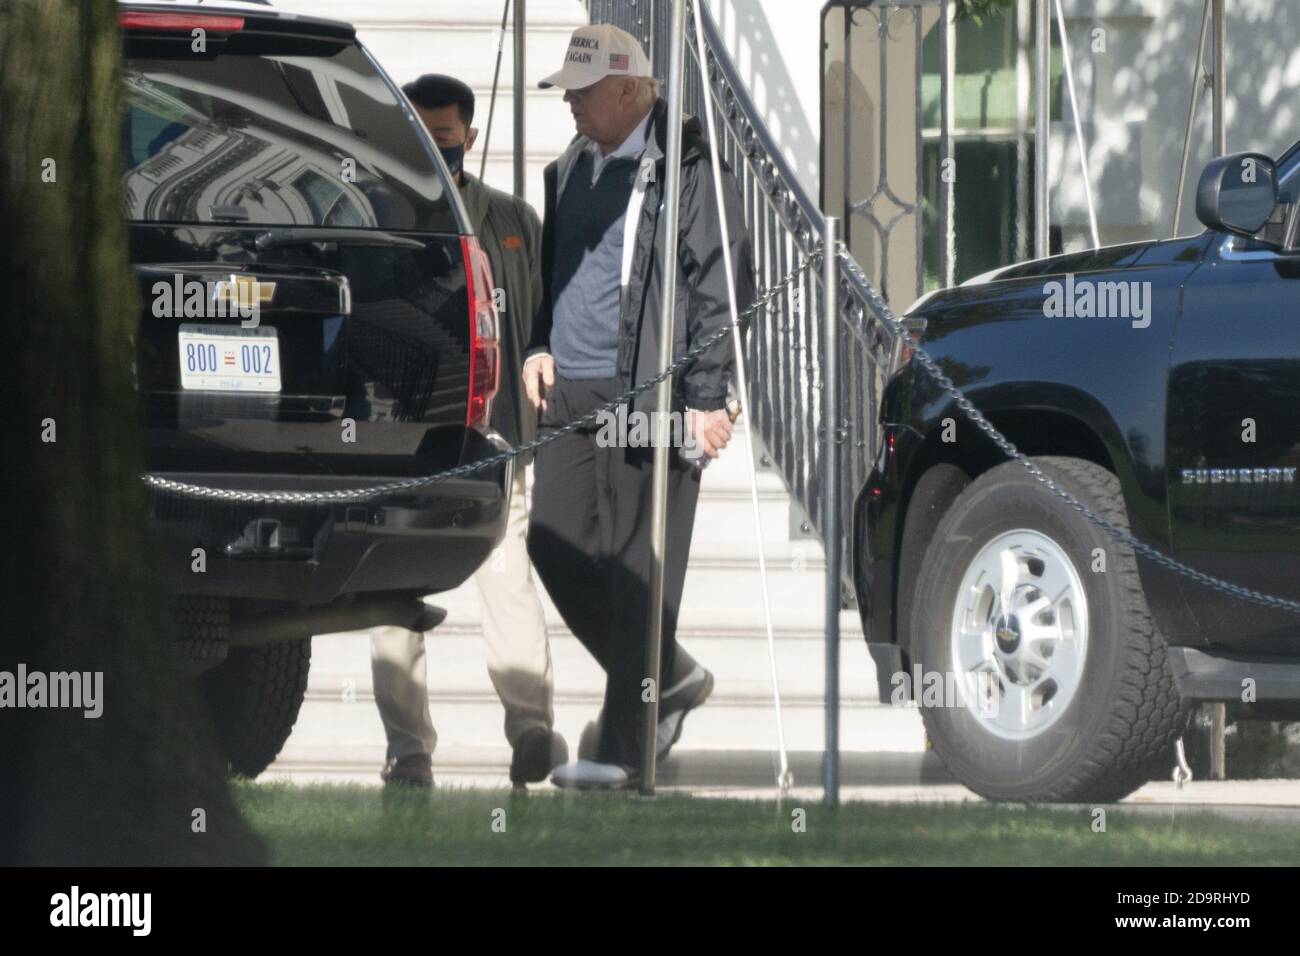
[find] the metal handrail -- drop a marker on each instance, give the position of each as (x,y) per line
(786,384)
(787,185)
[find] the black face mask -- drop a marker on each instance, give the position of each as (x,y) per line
(454,156)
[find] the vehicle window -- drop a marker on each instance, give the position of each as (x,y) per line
(275,140)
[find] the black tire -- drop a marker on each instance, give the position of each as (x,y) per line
(254,697)
(1124,713)
(204,625)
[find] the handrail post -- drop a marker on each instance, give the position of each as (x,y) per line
(947,110)
(1042,125)
(520,38)
(830,494)
(663,397)
(1078,125)
(1197,80)
(1220,77)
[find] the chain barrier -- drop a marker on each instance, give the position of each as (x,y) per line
(183,489)
(1011,451)
(877,304)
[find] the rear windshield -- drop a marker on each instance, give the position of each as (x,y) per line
(291,140)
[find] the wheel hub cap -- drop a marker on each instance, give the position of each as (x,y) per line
(1007,634)
(1019,634)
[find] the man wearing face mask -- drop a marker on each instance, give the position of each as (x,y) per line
(514,630)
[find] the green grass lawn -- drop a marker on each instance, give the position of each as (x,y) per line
(354,825)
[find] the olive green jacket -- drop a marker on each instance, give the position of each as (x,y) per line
(511,235)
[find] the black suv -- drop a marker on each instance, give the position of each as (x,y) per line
(316,316)
(1158,383)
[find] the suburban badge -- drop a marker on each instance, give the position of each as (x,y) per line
(1237,476)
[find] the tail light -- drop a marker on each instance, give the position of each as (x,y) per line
(484,353)
(914,338)
(178,22)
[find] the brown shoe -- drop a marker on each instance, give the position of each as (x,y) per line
(538,752)
(413,770)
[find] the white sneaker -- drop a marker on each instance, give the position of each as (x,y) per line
(589,775)
(679,700)
(669,731)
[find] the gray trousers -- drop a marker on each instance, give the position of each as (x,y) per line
(590,542)
(514,632)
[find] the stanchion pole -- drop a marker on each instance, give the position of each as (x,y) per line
(1219,711)
(830,488)
(663,397)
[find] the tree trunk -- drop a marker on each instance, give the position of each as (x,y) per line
(143,782)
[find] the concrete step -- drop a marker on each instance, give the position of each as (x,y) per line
(333,729)
(730,467)
(456,666)
(716,595)
(724,527)
(339,720)
(735,549)
(727,477)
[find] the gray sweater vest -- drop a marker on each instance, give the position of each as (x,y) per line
(587,268)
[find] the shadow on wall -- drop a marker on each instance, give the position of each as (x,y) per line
(761,58)
(1134,96)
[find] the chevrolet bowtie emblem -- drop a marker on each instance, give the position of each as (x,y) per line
(1237,476)
(244,290)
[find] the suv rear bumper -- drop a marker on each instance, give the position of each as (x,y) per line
(1201,676)
(428,540)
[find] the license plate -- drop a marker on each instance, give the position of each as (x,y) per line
(224,359)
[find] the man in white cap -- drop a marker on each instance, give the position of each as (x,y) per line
(595,336)
(514,628)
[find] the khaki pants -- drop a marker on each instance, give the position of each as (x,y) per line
(514,631)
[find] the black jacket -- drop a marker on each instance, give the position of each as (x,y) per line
(510,233)
(702,306)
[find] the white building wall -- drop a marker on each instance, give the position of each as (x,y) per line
(776,45)
(1134,97)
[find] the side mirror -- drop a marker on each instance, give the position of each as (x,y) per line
(1237,193)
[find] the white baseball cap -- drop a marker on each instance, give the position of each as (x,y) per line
(598,51)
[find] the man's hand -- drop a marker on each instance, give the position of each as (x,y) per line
(712,430)
(539,376)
